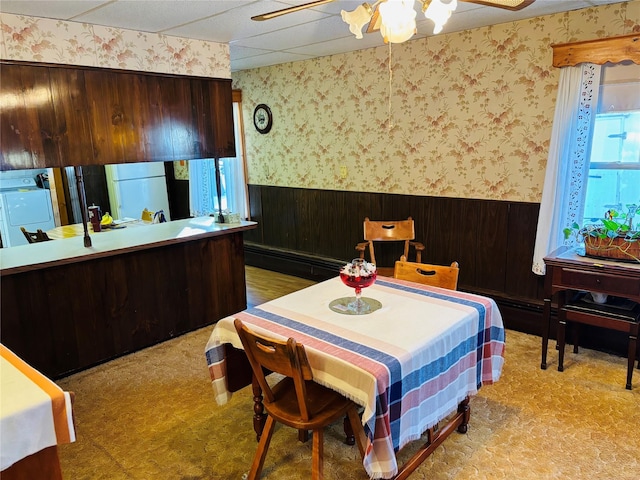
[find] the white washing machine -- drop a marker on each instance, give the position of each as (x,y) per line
(23,204)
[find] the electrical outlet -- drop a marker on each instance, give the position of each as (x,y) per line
(343,171)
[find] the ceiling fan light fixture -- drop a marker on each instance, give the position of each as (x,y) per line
(358,18)
(398,20)
(438,12)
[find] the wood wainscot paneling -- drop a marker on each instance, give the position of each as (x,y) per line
(65,318)
(311,233)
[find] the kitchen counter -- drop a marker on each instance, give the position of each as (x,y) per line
(66,307)
(36,256)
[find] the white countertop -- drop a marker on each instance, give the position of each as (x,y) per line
(70,250)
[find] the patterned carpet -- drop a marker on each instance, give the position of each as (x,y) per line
(151,415)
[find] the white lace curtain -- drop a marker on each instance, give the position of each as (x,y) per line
(568,162)
(203,197)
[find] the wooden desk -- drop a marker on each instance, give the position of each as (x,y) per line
(566,271)
(35,416)
(422,351)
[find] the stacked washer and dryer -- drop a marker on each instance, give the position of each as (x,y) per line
(23,203)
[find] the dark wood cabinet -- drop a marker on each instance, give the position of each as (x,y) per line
(72,133)
(209,99)
(60,116)
(25,117)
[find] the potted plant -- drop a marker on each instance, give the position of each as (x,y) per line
(612,237)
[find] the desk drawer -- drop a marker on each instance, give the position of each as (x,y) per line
(619,285)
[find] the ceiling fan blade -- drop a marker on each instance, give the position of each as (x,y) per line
(374,23)
(284,11)
(506,4)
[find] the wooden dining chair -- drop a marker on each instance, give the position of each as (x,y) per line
(295,401)
(35,237)
(389,231)
(434,275)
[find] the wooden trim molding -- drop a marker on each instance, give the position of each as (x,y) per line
(599,51)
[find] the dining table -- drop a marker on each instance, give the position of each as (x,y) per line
(36,416)
(411,362)
(77,229)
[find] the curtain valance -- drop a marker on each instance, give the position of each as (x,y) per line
(599,51)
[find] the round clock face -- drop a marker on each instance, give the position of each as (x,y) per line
(262,118)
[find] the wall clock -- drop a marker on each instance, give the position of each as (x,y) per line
(262,118)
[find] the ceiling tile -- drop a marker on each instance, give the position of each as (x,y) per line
(60,9)
(236,24)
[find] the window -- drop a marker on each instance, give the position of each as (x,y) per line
(203,195)
(585,172)
(614,161)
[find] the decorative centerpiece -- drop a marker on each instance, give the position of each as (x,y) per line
(613,237)
(358,274)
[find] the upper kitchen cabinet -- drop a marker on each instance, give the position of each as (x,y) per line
(42,117)
(54,116)
(213,112)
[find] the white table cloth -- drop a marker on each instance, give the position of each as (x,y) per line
(34,412)
(409,364)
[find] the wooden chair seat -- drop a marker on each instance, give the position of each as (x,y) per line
(325,405)
(295,401)
(582,311)
(425,273)
(389,231)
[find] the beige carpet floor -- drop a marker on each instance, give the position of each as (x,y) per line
(151,415)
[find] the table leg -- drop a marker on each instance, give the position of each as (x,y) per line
(350,438)
(465,410)
(259,418)
(435,438)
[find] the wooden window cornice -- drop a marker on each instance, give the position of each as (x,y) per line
(600,51)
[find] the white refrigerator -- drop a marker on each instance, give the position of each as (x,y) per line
(133,187)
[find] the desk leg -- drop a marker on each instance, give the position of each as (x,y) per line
(631,356)
(259,417)
(546,328)
(546,316)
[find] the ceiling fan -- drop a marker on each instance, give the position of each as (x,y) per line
(437,10)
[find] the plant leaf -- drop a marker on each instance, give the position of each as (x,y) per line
(610,224)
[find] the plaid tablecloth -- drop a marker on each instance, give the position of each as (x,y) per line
(408,364)
(34,412)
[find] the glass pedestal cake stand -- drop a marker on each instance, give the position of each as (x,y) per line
(358,275)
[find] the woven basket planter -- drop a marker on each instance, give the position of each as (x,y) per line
(616,248)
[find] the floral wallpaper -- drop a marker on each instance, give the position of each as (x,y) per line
(56,41)
(466,114)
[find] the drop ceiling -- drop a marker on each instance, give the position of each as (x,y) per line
(297,36)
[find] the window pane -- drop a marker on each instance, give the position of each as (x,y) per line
(614,174)
(610,189)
